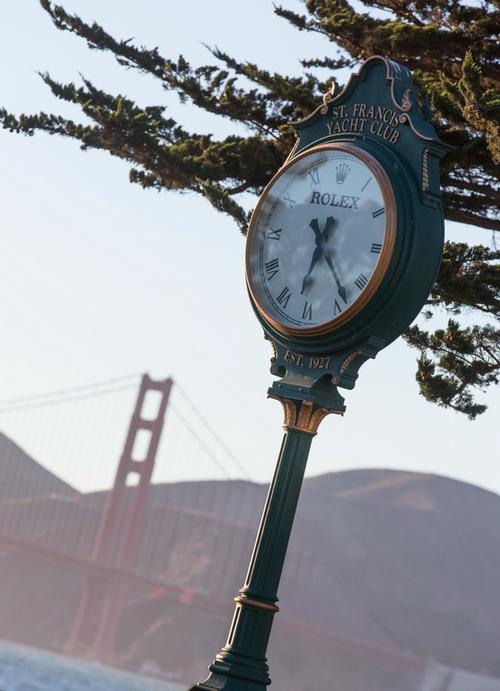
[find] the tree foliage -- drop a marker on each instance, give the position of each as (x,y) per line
(453,50)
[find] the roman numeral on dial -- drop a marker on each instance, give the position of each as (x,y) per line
(378,213)
(314,175)
(274,234)
(284,297)
(361,281)
(376,248)
(288,199)
(272,268)
(337,309)
(307,311)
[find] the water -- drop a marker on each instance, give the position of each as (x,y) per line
(26,669)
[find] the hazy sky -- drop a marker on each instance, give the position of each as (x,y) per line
(101,279)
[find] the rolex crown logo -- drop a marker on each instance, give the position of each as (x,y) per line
(343,171)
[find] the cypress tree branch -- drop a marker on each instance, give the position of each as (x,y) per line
(463,360)
(457,361)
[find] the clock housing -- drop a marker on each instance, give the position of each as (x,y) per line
(376,124)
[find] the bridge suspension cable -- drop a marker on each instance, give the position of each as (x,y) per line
(200,441)
(214,433)
(67,395)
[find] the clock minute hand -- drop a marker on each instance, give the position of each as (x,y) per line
(317,232)
(335,276)
(307,278)
(326,230)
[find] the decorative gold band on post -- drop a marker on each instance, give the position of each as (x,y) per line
(259,604)
(304,416)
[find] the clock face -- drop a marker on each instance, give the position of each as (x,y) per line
(321,239)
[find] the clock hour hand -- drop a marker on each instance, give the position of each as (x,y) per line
(317,232)
(307,278)
(321,236)
(336,277)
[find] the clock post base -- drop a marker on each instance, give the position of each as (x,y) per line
(216,682)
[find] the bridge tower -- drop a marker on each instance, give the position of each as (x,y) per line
(119,534)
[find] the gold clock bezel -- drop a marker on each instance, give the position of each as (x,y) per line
(385,256)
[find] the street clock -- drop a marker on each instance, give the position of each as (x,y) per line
(346,240)
(342,251)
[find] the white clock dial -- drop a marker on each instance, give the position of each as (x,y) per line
(320,238)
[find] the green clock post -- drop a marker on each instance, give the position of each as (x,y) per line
(342,251)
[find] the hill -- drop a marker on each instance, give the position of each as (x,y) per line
(22,476)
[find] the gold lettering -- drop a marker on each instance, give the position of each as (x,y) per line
(384,121)
(319,362)
(359,109)
(354,125)
(394,136)
(358,124)
(294,358)
(339,112)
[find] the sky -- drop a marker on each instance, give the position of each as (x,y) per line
(100,279)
